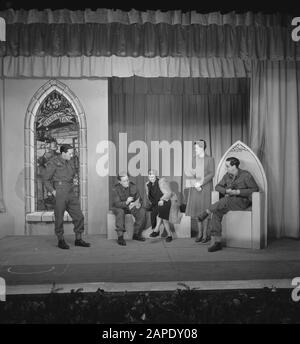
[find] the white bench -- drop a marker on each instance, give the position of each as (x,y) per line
(182,230)
(42,223)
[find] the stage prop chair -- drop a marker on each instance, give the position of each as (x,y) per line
(248,228)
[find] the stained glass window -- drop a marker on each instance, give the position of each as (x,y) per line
(56,124)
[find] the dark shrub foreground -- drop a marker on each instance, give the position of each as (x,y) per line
(185,306)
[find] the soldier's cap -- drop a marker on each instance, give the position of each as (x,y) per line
(64,148)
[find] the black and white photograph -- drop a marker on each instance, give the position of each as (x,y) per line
(149,166)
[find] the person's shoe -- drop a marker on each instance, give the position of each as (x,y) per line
(121,241)
(205,240)
(63,245)
(215,247)
(169,238)
(154,234)
(82,243)
(138,237)
(198,239)
(202,216)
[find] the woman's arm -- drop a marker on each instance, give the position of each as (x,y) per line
(165,189)
(210,171)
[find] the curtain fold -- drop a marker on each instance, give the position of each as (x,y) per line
(101,66)
(150,40)
(177,109)
(2,206)
(274,136)
(172,17)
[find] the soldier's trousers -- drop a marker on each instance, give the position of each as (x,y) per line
(67,200)
(139,216)
(223,206)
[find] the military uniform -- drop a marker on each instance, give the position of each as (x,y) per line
(58,176)
(120,195)
(244,182)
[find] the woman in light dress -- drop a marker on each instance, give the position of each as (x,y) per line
(200,188)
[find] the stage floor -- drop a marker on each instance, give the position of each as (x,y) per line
(33,264)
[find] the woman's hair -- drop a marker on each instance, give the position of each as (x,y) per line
(234,161)
(199,143)
(151,171)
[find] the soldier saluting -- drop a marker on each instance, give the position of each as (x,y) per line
(58,178)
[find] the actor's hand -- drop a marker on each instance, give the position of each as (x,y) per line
(161,202)
(131,205)
(232,192)
(197,185)
(54,193)
(137,204)
(129,200)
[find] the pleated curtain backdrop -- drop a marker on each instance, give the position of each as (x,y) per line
(180,109)
(274,136)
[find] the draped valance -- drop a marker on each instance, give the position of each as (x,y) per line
(102,66)
(174,17)
(148,34)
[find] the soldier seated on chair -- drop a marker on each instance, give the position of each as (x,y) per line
(237,186)
(127,200)
(58,179)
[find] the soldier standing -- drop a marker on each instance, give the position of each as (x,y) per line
(58,179)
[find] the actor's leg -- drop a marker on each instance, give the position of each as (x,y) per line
(200,231)
(167,227)
(73,208)
(139,224)
(120,225)
(206,230)
(156,231)
(59,210)
(219,209)
(154,213)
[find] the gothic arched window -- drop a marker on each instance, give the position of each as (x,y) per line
(55,124)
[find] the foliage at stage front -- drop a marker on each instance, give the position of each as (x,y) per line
(184,306)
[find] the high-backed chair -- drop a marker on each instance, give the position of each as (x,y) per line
(248,228)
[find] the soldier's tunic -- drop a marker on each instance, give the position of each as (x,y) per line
(120,195)
(58,176)
(244,182)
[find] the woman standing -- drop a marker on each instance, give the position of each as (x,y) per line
(163,204)
(200,188)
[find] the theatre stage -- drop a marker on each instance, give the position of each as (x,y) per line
(33,264)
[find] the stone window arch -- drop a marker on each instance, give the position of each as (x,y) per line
(32,213)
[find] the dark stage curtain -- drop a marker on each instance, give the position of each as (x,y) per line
(180,109)
(107,32)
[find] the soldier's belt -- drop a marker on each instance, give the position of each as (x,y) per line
(63,183)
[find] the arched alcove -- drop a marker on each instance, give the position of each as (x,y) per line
(250,162)
(32,213)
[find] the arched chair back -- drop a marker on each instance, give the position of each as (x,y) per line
(250,162)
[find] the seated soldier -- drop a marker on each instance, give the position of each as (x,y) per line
(237,186)
(127,200)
